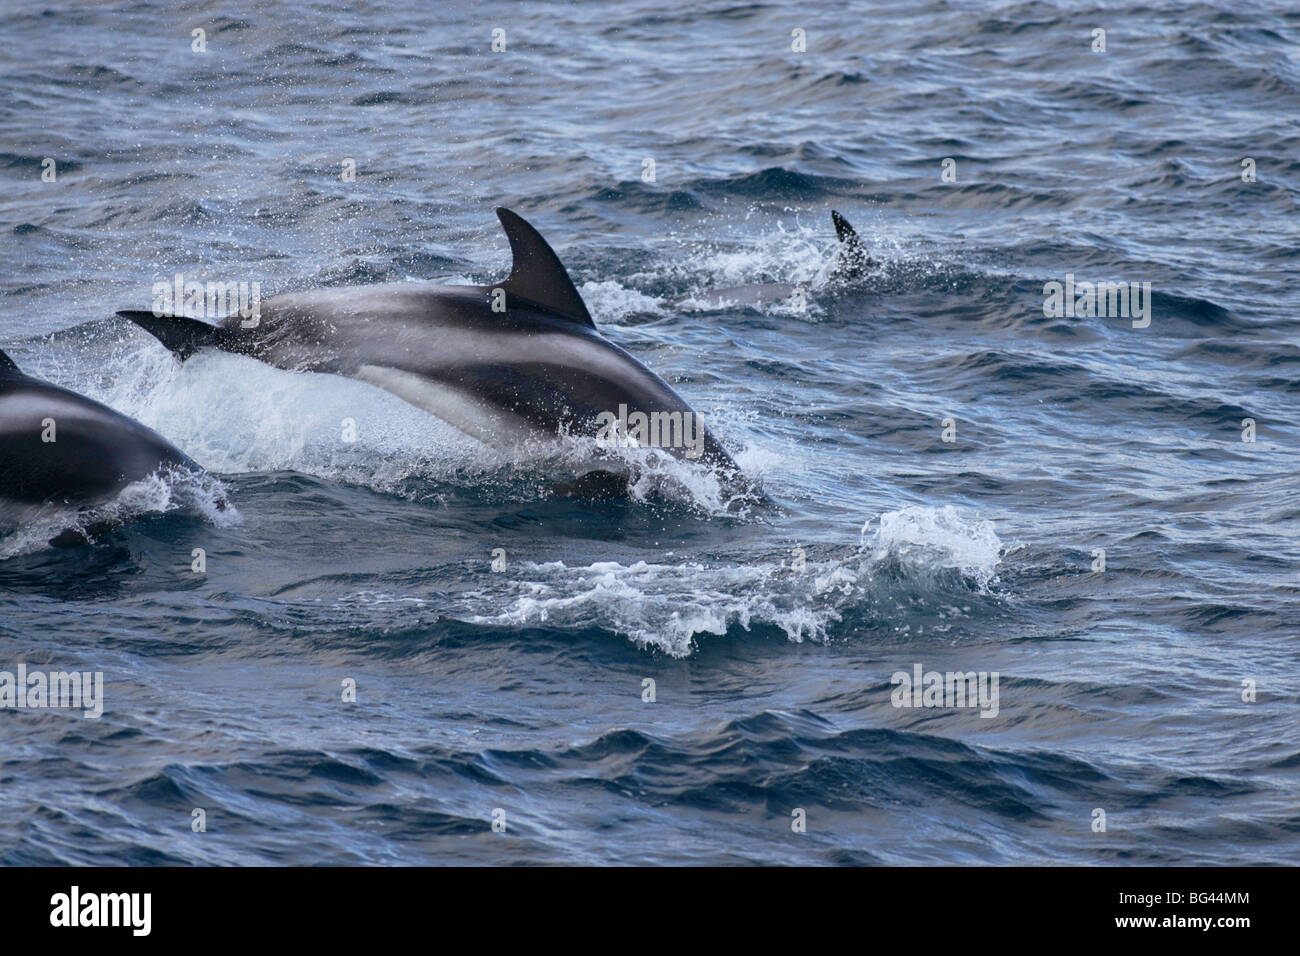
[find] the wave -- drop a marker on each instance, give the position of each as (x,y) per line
(931,557)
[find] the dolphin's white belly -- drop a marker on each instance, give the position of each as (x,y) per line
(489,423)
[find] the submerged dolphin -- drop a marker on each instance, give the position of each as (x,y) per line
(851,263)
(61,448)
(506,363)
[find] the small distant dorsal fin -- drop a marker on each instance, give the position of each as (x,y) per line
(853,254)
(537,274)
(842,228)
(7,364)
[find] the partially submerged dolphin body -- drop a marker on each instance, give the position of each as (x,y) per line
(852,263)
(508,363)
(58,448)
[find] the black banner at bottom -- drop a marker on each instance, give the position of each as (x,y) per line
(303,905)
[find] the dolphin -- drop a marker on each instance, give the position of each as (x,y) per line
(852,262)
(508,363)
(60,448)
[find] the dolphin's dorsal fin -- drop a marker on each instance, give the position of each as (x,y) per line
(537,274)
(853,254)
(842,228)
(7,364)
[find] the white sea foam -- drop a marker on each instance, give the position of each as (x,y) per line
(611,301)
(798,253)
(671,606)
(159,493)
(233,414)
(938,537)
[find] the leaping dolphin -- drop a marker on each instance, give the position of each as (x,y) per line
(61,448)
(851,263)
(506,363)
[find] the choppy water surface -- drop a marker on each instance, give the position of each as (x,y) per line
(521,690)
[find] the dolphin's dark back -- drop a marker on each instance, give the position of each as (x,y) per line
(95,451)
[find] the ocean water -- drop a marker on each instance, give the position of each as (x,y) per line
(1161,691)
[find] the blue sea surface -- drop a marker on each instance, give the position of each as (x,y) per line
(1160,691)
